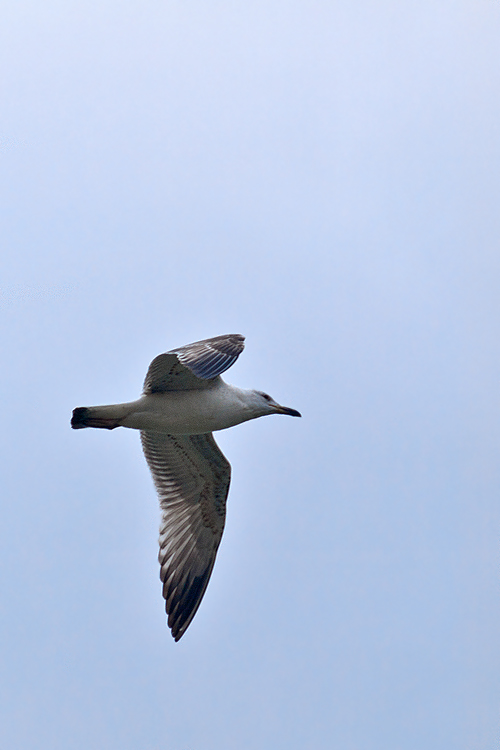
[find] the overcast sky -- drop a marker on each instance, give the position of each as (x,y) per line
(322,177)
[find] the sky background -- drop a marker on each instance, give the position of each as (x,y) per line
(322,177)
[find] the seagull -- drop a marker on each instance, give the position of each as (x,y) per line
(184,401)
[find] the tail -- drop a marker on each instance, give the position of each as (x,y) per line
(88,416)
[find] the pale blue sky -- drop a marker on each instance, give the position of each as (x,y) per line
(322,177)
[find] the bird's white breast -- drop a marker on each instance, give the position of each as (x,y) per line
(189,412)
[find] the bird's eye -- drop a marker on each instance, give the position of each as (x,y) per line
(268,398)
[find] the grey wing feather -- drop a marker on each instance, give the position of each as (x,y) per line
(192,480)
(193,366)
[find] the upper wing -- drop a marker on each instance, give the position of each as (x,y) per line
(192,479)
(193,366)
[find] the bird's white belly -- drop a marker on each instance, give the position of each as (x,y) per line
(186,412)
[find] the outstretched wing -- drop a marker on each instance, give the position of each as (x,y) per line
(192,480)
(193,366)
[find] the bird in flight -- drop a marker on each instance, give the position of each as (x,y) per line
(184,401)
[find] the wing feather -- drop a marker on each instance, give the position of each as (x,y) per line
(193,366)
(192,478)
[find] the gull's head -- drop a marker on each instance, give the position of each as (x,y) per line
(262,404)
